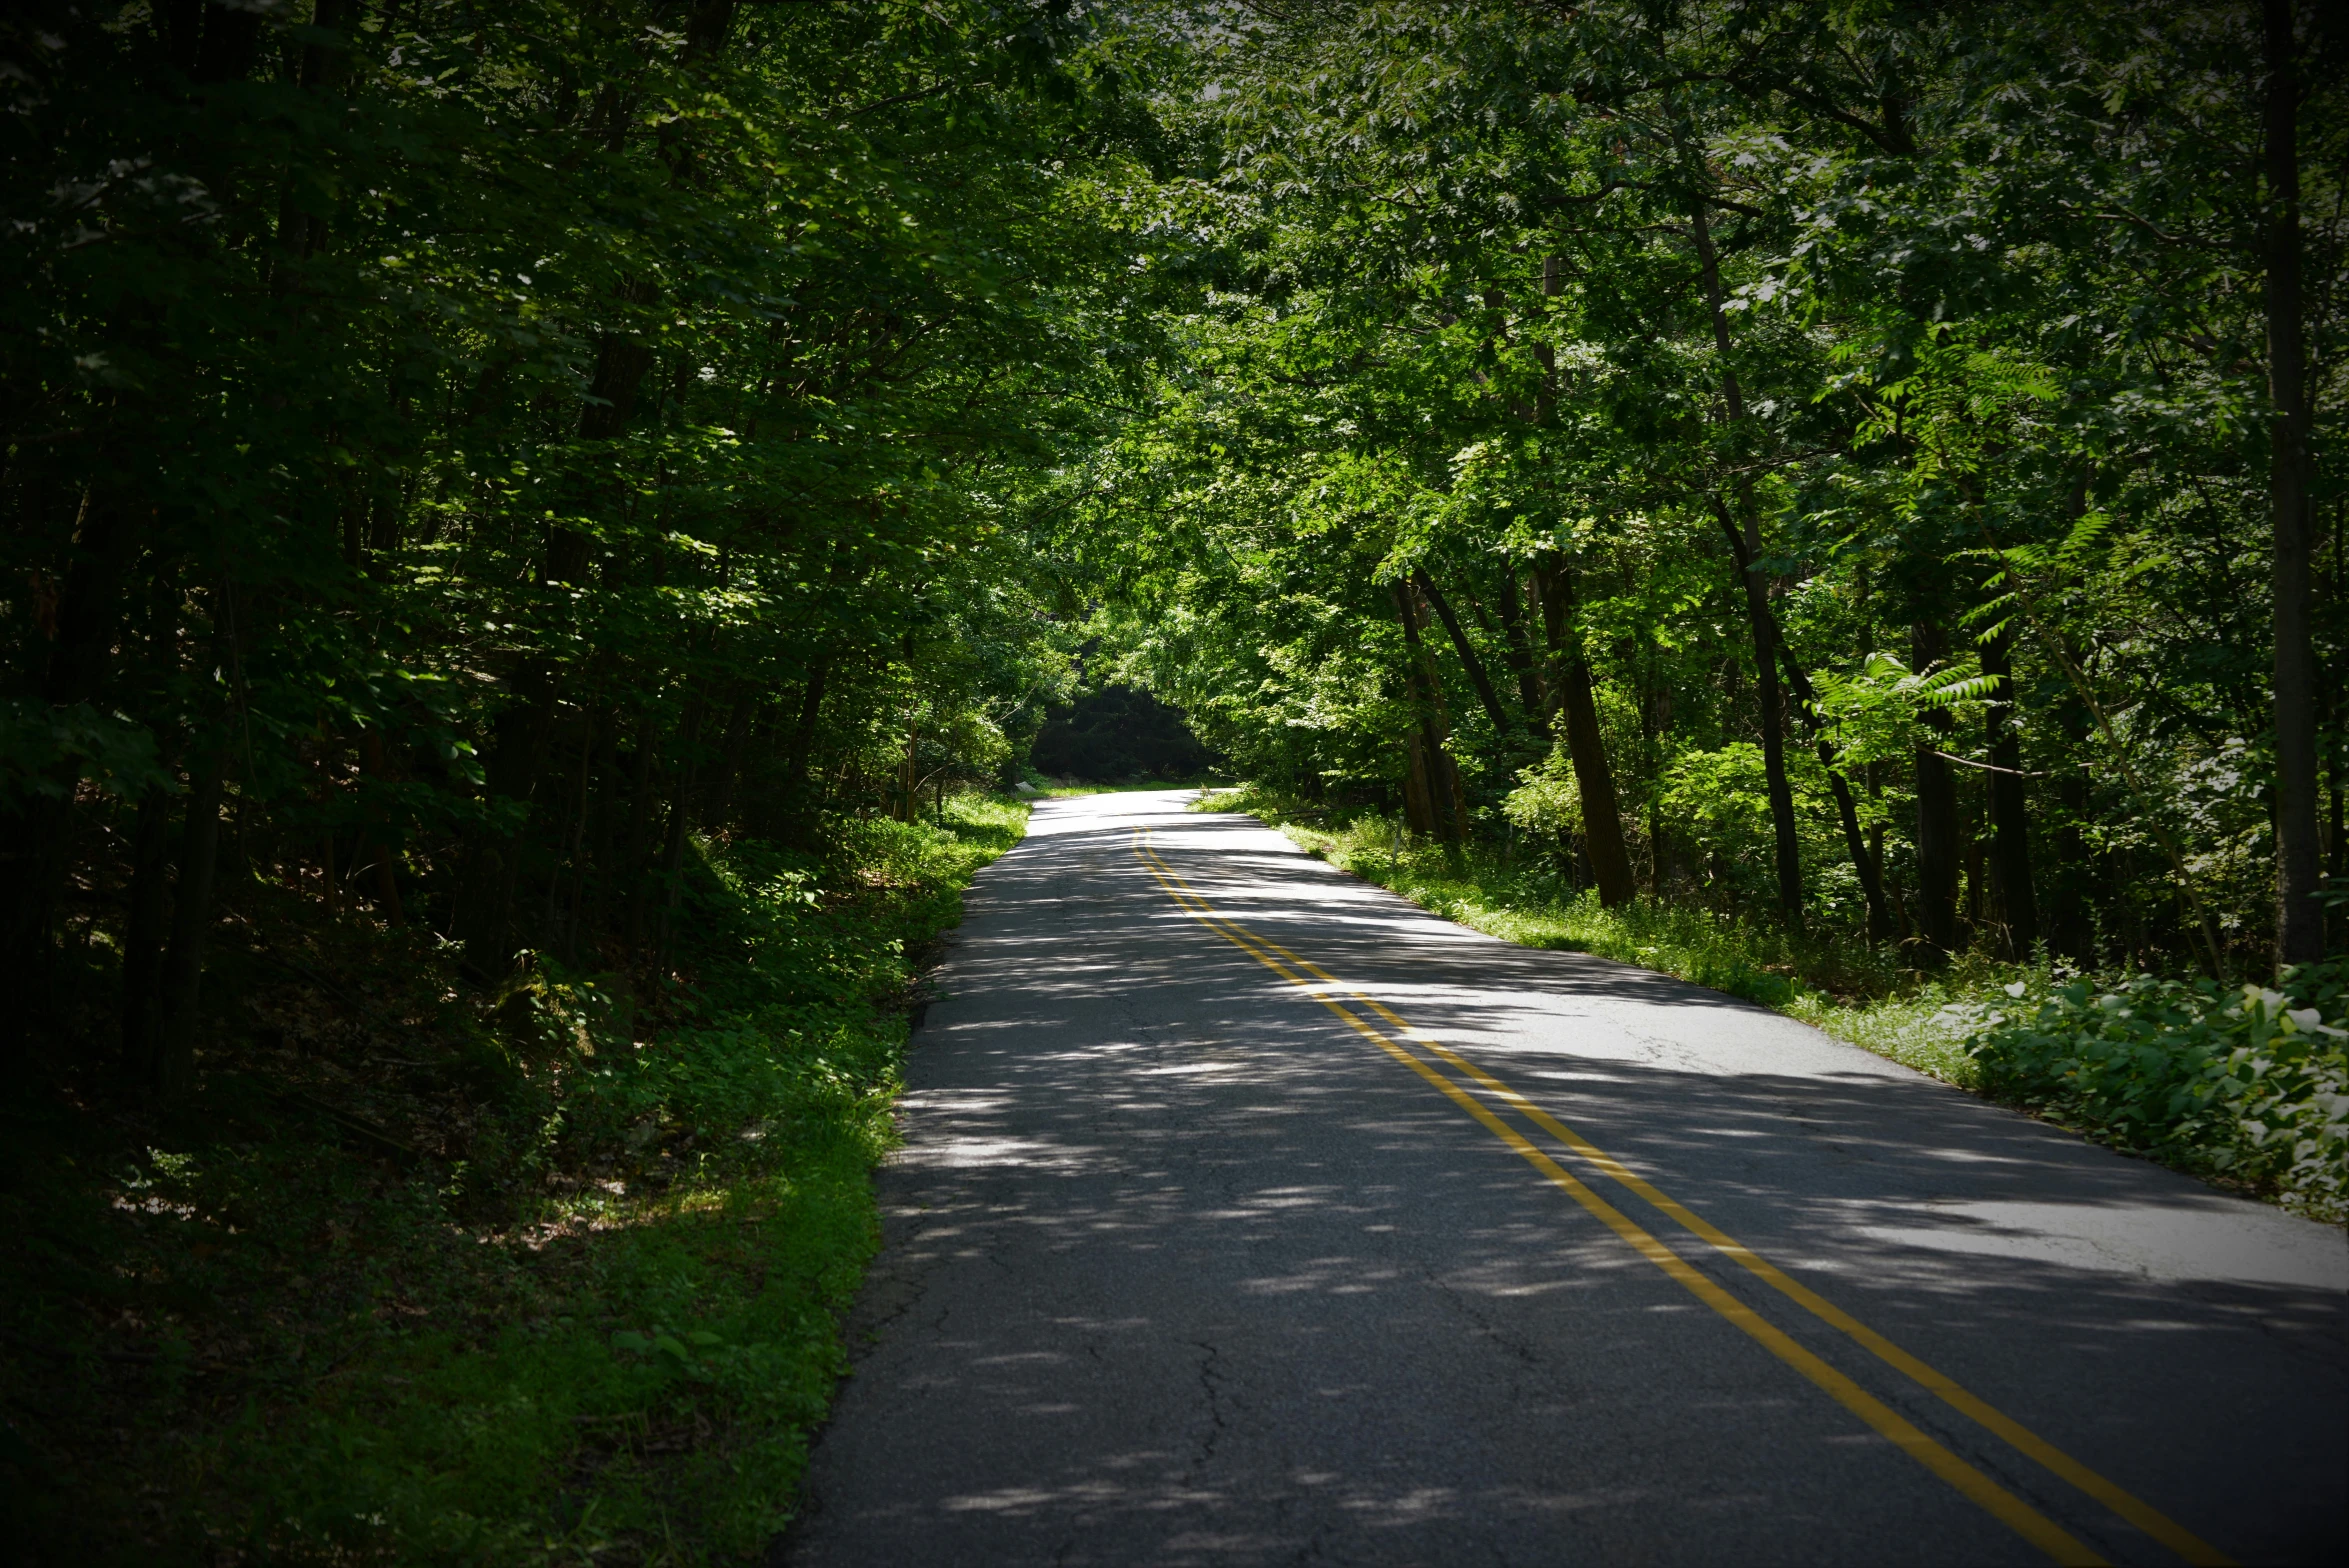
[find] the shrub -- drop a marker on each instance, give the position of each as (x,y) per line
(2244,1084)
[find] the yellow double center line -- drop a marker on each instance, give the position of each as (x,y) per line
(2011,1510)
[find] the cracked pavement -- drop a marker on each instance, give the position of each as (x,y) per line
(1178,1269)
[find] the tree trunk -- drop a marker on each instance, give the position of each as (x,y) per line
(800,749)
(672,879)
(2010,820)
(144,935)
(1436,784)
(1744,548)
(1868,864)
(1469,659)
(1530,698)
(733,741)
(633,869)
(1939,846)
(907,784)
(376,841)
(40,833)
(172,1067)
(2068,929)
(2300,930)
(1748,531)
(1594,780)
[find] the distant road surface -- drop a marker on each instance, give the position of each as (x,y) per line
(1248,1214)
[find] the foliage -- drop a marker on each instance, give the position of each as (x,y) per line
(1954,316)
(1526,900)
(2250,1084)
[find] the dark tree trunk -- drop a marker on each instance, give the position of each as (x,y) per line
(672,879)
(1865,861)
(1940,844)
(1530,697)
(632,869)
(1763,626)
(1417,815)
(2010,820)
(38,845)
(2300,929)
(2069,931)
(172,1066)
(1594,780)
(378,841)
(144,935)
(1747,530)
(796,791)
(1469,659)
(732,742)
(1424,701)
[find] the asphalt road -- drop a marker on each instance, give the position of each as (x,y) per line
(1248,1214)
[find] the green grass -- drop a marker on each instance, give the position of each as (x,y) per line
(564,1288)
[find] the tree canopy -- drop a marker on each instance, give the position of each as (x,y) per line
(1865,466)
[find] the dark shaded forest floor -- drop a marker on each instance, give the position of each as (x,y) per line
(420,1273)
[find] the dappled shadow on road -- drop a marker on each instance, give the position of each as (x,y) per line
(1181,1269)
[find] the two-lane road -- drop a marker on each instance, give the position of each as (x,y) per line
(1248,1214)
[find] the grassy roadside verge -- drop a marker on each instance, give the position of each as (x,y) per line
(551,1275)
(2247,1086)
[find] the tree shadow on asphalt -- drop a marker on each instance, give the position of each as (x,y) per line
(1117,1107)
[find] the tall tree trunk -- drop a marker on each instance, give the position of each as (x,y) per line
(2300,929)
(907,783)
(733,741)
(38,843)
(1748,530)
(1939,842)
(1594,780)
(1531,699)
(2068,929)
(1421,682)
(680,812)
(172,1065)
(1744,545)
(633,869)
(1418,816)
(144,934)
(1469,659)
(376,842)
(1865,861)
(800,748)
(2010,820)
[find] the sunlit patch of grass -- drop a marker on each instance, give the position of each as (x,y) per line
(1916,1031)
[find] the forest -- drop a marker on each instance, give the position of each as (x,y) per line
(541,537)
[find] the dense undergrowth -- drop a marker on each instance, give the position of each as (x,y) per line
(550,1274)
(2248,1085)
